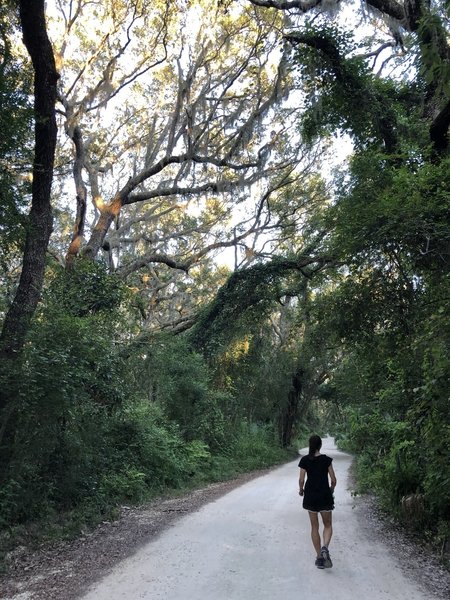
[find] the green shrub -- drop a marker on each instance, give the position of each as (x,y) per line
(255,446)
(128,484)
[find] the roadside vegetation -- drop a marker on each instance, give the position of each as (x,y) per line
(135,359)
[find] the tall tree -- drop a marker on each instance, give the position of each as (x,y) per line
(17,320)
(157,125)
(39,226)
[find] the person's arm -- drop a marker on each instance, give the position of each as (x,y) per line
(332,477)
(301,481)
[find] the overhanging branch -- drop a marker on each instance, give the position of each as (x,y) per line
(288,4)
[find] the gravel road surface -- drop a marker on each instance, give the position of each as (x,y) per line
(254,544)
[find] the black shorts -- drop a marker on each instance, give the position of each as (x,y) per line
(318,501)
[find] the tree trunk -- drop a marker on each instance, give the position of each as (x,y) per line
(81,192)
(107,216)
(18,318)
(289,414)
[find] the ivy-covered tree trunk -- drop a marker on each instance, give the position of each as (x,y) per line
(289,414)
(18,318)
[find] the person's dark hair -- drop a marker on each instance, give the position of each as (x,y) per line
(315,443)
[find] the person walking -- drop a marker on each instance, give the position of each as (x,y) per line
(318,497)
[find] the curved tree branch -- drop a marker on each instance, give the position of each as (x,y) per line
(391,8)
(384,118)
(81,195)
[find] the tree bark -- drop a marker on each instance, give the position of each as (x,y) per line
(439,130)
(81,192)
(18,318)
(289,414)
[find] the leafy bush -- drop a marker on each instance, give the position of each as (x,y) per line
(143,439)
(179,380)
(98,423)
(255,446)
(86,288)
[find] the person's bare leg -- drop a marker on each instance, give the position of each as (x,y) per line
(327,527)
(315,535)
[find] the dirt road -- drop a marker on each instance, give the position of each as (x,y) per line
(254,543)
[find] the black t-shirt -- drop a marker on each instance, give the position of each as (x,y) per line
(316,468)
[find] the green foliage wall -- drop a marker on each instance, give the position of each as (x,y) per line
(99,421)
(104,415)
